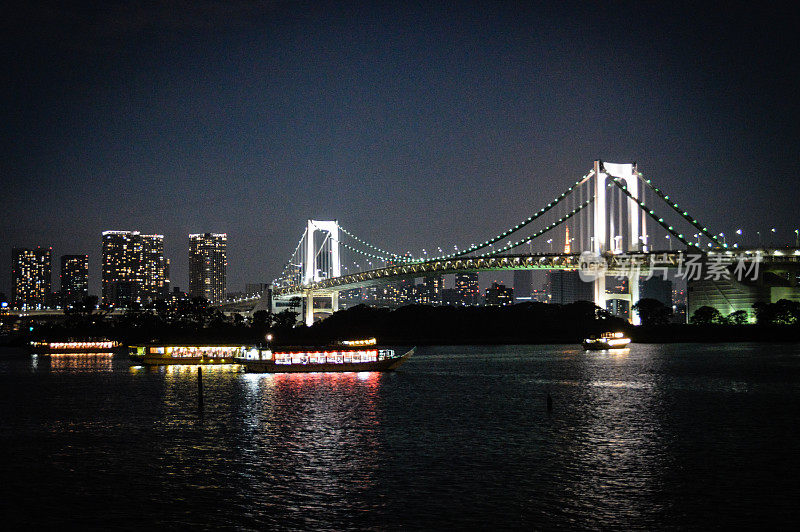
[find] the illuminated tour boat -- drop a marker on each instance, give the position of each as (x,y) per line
(89,346)
(608,340)
(353,355)
(165,355)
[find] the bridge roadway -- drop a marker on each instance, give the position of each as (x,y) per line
(616,264)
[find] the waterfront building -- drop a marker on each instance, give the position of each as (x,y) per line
(372,294)
(30,277)
(405,291)
(679,305)
(74,279)
(499,295)
(619,307)
(154,269)
(254,289)
(176,297)
(523,285)
(566,286)
(350,298)
(656,288)
(450,297)
(731,295)
(430,291)
(466,285)
(122,259)
(134,268)
(208,266)
(540,296)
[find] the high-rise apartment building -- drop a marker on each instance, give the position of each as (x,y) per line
(30,277)
(469,292)
(208,266)
(122,259)
(134,268)
(74,279)
(154,269)
(430,291)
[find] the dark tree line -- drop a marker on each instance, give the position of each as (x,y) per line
(426,324)
(187,320)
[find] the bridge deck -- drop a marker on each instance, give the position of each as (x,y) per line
(558,261)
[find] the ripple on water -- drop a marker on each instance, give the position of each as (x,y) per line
(662,437)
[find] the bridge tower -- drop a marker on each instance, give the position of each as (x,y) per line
(321,260)
(610,239)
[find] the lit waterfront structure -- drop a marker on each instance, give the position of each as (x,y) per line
(732,295)
(30,277)
(466,286)
(499,295)
(154,269)
(122,257)
(74,279)
(208,266)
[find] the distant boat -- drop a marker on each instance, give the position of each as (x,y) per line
(353,355)
(84,346)
(607,340)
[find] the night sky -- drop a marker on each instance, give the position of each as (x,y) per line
(413,125)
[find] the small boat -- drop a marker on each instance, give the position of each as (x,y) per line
(353,355)
(168,355)
(70,347)
(607,340)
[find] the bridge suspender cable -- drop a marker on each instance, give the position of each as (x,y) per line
(291,258)
(476,247)
(553,225)
(395,256)
(684,214)
(660,221)
(520,225)
(365,253)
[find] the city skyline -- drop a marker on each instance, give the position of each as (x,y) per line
(390,118)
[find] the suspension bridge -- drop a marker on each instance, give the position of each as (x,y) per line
(613,213)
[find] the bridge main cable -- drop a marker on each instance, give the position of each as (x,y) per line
(394,256)
(651,213)
(684,214)
(541,232)
(522,224)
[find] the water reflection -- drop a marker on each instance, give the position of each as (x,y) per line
(325,428)
(614,445)
(73,362)
(460,437)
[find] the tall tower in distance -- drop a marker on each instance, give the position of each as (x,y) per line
(567,246)
(30,277)
(208,266)
(134,268)
(74,279)
(154,269)
(122,259)
(467,288)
